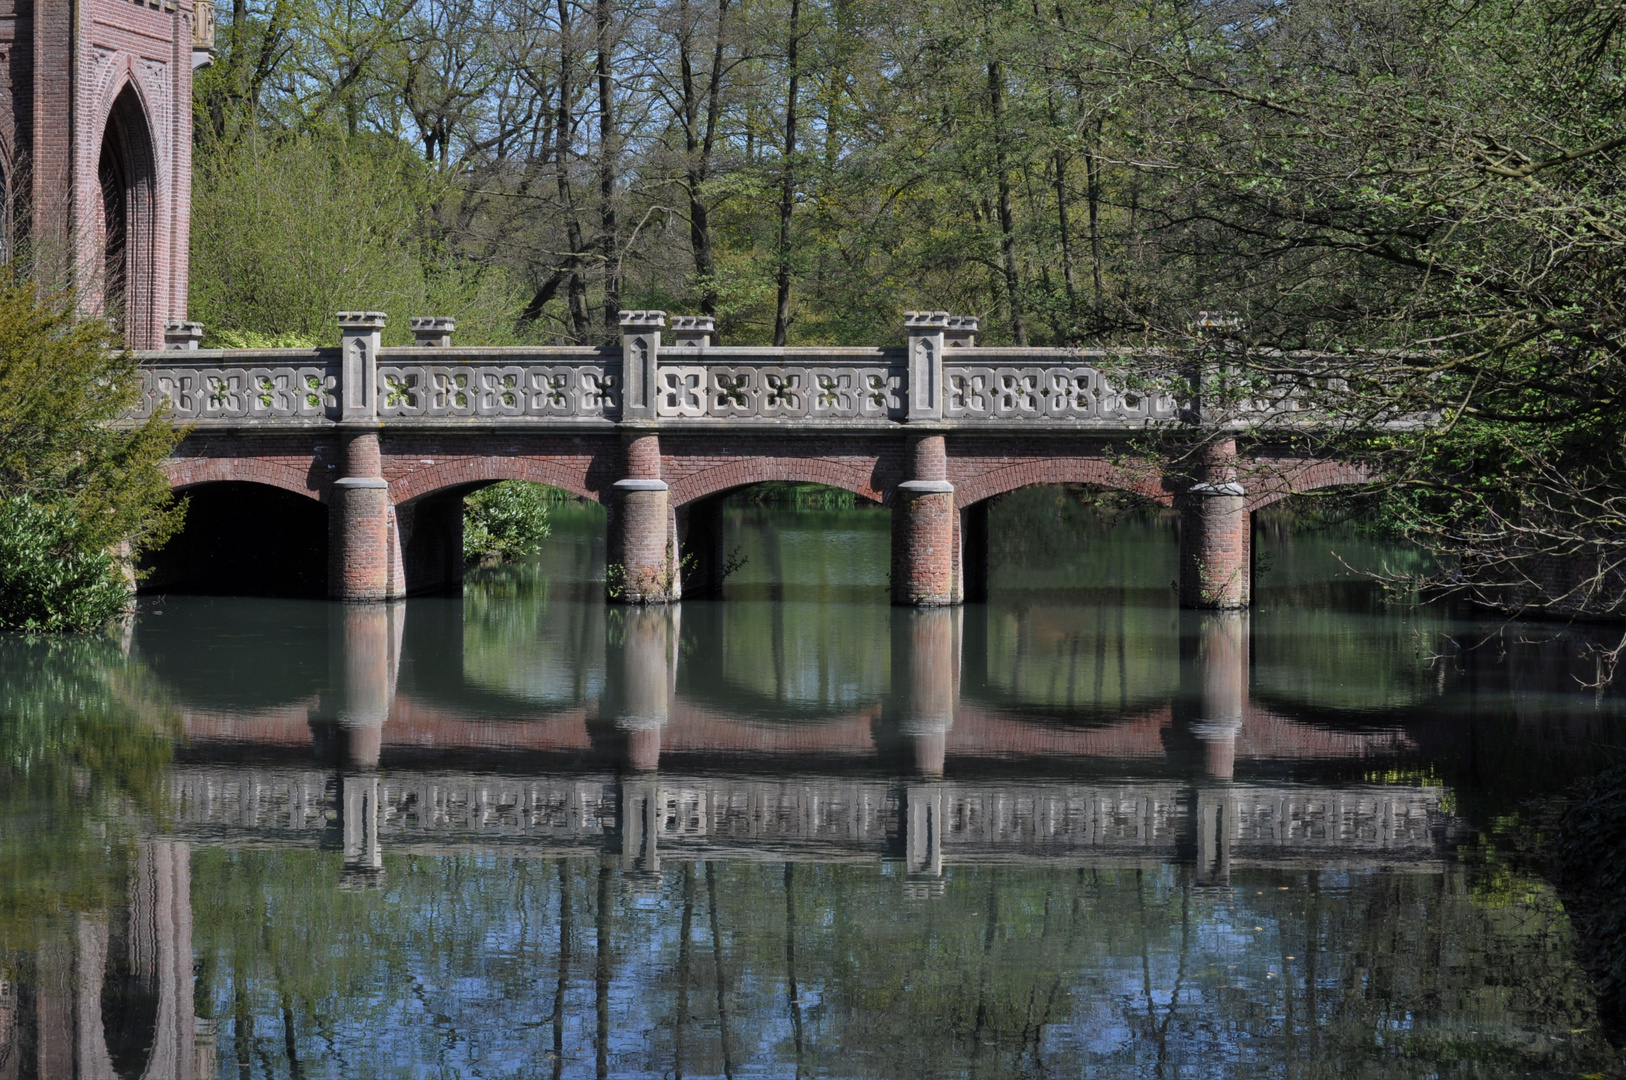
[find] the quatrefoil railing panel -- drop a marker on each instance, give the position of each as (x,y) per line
(199,393)
(779,391)
(497,391)
(1045,393)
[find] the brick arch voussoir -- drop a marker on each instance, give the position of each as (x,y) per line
(1312,476)
(192,472)
(1098,472)
(760,470)
(429,479)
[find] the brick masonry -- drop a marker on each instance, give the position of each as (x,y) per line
(407,544)
(74,72)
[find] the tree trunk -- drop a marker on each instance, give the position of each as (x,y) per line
(607,150)
(787,189)
(698,145)
(576,289)
(1007,226)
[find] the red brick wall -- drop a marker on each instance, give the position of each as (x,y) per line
(66,66)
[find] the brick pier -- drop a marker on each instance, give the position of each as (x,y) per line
(660,432)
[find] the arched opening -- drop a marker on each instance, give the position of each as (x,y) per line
(243,539)
(1080,539)
(127,175)
(1078,582)
(785,541)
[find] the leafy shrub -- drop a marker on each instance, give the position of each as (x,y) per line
(75,486)
(505,521)
(50,581)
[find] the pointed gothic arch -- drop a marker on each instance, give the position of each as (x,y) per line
(127,176)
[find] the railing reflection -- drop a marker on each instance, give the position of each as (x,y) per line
(906,802)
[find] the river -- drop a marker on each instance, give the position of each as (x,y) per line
(797,832)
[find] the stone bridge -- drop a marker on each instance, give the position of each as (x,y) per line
(389,441)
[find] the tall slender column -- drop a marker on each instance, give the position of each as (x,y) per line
(361,524)
(923,528)
(1214,535)
(643,555)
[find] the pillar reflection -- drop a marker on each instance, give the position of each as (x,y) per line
(925,683)
(364,659)
(1216,674)
(643,658)
(358,815)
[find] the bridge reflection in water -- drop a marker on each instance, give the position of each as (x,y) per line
(913,782)
(591,780)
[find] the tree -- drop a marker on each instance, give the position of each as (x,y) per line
(80,494)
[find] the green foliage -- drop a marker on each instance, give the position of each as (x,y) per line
(76,486)
(78,739)
(50,581)
(273,261)
(505,521)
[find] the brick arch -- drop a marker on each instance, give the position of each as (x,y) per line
(973,487)
(190,472)
(428,479)
(759,470)
(1280,480)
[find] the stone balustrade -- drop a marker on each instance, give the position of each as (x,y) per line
(940,377)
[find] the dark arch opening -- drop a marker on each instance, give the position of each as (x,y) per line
(243,539)
(127,176)
(784,540)
(1082,540)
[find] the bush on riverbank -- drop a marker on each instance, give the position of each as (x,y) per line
(49,581)
(78,495)
(505,521)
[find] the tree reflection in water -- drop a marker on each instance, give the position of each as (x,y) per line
(518,834)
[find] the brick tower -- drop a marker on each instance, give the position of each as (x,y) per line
(96,149)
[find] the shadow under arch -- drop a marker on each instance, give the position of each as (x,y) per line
(709,557)
(128,178)
(1051,535)
(430,527)
(243,538)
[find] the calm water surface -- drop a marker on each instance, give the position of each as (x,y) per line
(797,832)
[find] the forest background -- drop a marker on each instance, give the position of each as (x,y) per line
(1401,207)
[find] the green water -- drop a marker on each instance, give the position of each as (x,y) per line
(797,832)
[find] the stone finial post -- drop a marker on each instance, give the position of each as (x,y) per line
(961,332)
(183,336)
(360,337)
(693,331)
(923,841)
(640,351)
(433,331)
(363,852)
(924,330)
